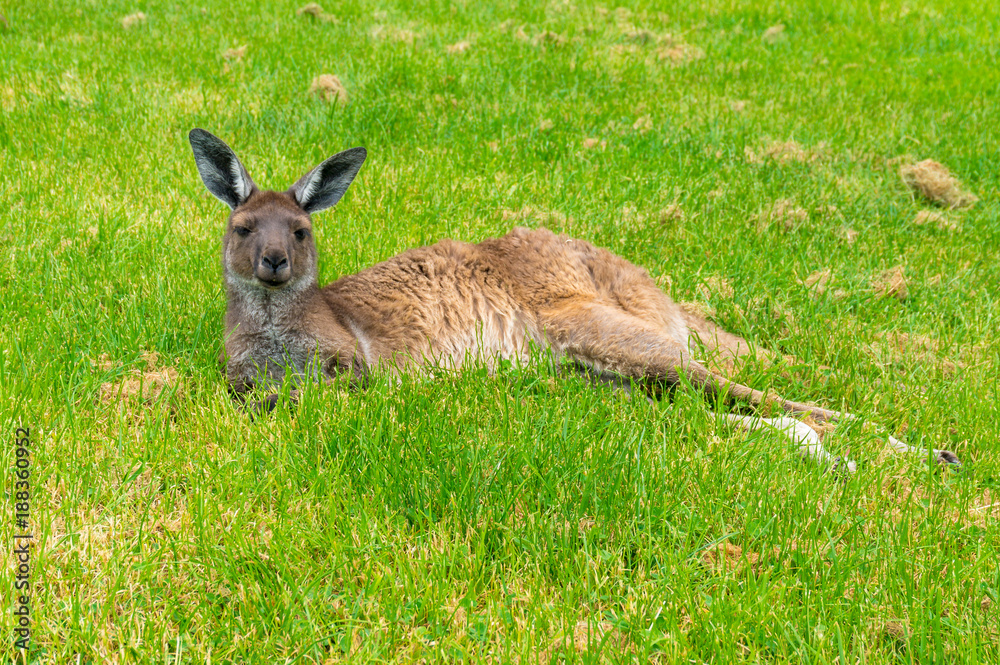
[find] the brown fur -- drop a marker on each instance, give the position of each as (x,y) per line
(453,302)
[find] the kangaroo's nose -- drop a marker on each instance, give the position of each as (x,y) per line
(274,261)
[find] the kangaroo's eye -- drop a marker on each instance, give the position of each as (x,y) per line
(302,234)
(241,231)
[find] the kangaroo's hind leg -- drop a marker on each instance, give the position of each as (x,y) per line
(728,348)
(610,341)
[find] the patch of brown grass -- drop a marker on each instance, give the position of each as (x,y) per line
(784,213)
(784,152)
(145,385)
(935,219)
(74,90)
(311,9)
(847,234)
(457,47)
(726,557)
(591,143)
(664,282)
(891,283)
(315,11)
(547,37)
(329,88)
(934,182)
(909,348)
(585,636)
(393,33)
(236,54)
(716,286)
(679,53)
(643,124)
(892,630)
(632,215)
(818,281)
(671,213)
(638,35)
(625,51)
(133,20)
(774,34)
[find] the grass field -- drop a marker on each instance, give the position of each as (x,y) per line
(521,517)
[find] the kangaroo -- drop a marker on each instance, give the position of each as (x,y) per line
(453,302)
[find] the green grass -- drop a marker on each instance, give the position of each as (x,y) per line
(523,516)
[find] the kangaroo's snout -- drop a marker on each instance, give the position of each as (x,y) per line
(273,268)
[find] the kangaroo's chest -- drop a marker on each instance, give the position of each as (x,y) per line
(269,353)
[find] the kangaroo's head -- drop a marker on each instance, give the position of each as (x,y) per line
(268,243)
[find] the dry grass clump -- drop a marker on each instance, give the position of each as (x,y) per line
(774,34)
(906,348)
(236,54)
(784,152)
(935,219)
(392,33)
(726,557)
(679,53)
(847,234)
(547,37)
(74,91)
(592,143)
(783,213)
(315,11)
(632,215)
(638,35)
(133,20)
(671,213)
(669,49)
(311,9)
(585,636)
(716,286)
(329,88)
(643,124)
(892,630)
(146,385)
(934,182)
(891,283)
(457,47)
(818,281)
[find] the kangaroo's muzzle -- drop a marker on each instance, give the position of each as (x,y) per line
(273,268)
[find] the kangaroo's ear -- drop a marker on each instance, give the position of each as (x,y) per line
(324,185)
(220,169)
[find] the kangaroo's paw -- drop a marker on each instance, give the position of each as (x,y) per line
(262,407)
(842,467)
(940,456)
(948,457)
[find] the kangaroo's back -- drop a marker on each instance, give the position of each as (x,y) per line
(455,301)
